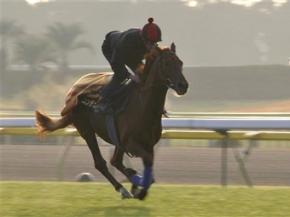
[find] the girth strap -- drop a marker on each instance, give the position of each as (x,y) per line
(112,131)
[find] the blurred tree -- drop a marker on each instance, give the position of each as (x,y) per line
(9,30)
(65,39)
(34,51)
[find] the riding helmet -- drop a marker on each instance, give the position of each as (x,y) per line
(151,31)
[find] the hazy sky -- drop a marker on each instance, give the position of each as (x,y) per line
(191,3)
(206,32)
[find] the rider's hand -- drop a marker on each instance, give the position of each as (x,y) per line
(135,78)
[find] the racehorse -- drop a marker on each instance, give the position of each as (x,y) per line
(138,126)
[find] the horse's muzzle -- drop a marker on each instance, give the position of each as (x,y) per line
(181,88)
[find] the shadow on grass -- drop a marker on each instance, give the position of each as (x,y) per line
(126,211)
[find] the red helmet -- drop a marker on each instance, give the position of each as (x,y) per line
(151,31)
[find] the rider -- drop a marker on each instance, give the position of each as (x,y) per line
(127,48)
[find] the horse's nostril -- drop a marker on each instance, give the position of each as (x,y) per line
(182,85)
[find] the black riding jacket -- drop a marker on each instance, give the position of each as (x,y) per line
(124,48)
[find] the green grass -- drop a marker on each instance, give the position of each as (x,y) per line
(57,199)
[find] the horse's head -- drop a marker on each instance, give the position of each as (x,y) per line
(168,67)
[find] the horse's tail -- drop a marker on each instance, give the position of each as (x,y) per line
(46,124)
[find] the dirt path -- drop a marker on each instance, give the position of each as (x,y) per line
(173,164)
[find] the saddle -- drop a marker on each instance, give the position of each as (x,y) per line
(114,105)
(87,89)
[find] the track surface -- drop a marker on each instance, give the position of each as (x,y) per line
(172,164)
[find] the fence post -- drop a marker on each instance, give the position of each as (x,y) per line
(60,165)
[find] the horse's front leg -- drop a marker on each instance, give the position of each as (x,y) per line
(145,181)
(117,161)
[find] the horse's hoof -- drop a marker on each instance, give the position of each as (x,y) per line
(134,189)
(141,194)
(125,194)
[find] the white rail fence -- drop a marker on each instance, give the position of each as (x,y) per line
(206,123)
(227,128)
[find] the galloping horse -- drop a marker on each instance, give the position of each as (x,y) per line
(138,126)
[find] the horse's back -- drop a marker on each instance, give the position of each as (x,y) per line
(90,85)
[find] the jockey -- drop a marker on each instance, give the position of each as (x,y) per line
(127,48)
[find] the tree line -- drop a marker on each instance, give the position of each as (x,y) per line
(52,47)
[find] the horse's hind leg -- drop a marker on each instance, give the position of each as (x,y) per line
(100,163)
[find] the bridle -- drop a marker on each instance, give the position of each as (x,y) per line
(163,80)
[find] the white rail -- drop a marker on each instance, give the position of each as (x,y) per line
(213,123)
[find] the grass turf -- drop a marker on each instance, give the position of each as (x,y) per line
(61,199)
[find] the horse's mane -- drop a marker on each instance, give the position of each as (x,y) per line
(155,52)
(143,69)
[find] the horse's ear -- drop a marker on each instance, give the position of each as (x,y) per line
(173,47)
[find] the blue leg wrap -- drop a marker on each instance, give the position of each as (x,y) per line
(147,177)
(136,180)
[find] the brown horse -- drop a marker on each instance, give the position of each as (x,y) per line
(138,126)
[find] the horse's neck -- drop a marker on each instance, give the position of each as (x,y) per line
(153,95)
(154,102)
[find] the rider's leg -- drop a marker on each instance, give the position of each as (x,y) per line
(117,79)
(110,88)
